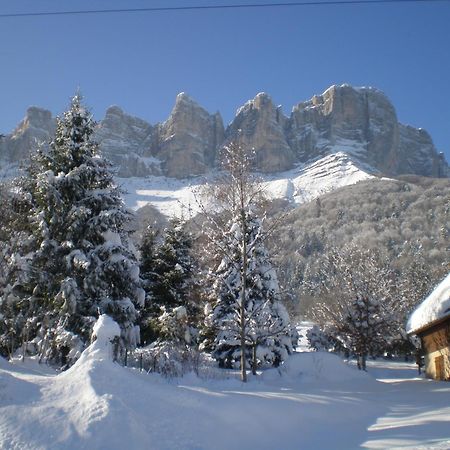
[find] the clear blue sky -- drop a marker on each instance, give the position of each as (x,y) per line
(222,58)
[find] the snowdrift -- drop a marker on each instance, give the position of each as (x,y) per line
(309,402)
(316,367)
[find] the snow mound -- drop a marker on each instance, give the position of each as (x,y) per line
(311,367)
(436,306)
(96,404)
(105,330)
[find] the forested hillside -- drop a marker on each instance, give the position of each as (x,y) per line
(406,222)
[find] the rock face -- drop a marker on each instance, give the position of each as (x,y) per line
(188,140)
(127,141)
(37,127)
(360,122)
(363,123)
(261,126)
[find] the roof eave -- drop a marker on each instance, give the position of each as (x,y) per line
(430,325)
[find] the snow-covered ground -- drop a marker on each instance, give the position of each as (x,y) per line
(299,185)
(316,401)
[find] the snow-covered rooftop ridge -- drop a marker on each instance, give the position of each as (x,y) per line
(435,307)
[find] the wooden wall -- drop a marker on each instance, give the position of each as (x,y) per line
(436,344)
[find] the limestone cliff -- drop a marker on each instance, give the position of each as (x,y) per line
(360,122)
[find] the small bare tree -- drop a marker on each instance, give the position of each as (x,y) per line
(358,313)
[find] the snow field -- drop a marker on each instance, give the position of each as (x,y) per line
(315,401)
(304,183)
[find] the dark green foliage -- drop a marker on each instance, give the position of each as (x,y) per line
(80,264)
(168,274)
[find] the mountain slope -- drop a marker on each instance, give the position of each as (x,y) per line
(300,185)
(406,220)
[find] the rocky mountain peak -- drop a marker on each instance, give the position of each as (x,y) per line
(189,138)
(36,127)
(359,122)
(37,119)
(114,110)
(127,141)
(184,98)
(363,123)
(260,125)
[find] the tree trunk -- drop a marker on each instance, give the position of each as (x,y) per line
(243,287)
(243,346)
(361,361)
(254,360)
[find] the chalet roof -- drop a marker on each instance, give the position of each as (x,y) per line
(434,308)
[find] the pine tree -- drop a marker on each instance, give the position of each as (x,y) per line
(16,245)
(269,336)
(82,265)
(167,269)
(173,267)
(244,314)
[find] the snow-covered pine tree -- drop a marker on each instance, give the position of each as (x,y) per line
(173,267)
(269,336)
(244,313)
(17,244)
(83,265)
(147,249)
(167,269)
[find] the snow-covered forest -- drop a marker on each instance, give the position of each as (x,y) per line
(97,325)
(68,258)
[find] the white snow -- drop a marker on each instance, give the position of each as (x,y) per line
(436,306)
(170,196)
(315,401)
(299,185)
(105,330)
(112,237)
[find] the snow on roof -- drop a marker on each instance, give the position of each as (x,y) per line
(436,306)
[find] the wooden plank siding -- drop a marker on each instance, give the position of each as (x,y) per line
(436,344)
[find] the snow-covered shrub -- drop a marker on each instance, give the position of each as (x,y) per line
(167,358)
(319,340)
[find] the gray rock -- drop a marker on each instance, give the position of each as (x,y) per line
(188,140)
(128,142)
(363,123)
(358,121)
(259,125)
(35,129)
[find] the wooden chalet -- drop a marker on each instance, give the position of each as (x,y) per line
(431,323)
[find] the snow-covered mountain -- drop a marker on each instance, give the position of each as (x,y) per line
(299,185)
(335,139)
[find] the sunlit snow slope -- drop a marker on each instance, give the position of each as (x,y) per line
(299,185)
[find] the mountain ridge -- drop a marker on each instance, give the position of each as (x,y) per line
(361,122)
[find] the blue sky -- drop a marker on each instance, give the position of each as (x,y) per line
(222,58)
